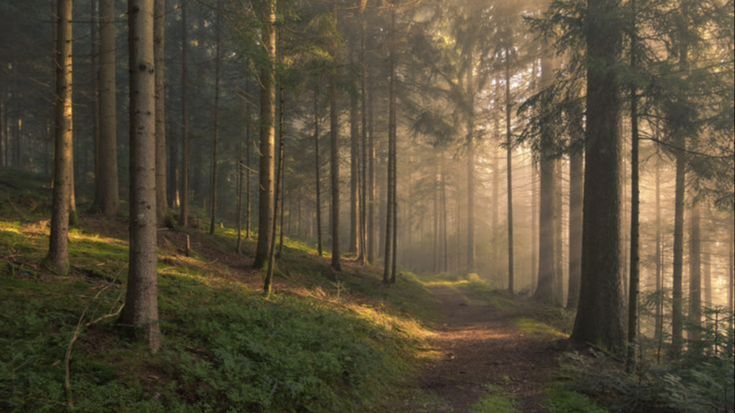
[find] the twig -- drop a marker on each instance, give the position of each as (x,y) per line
(77,332)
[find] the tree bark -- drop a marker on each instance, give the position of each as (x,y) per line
(215,135)
(317,173)
(634,208)
(185,153)
(58,255)
(509,170)
(334,171)
(354,247)
(546,268)
(161,161)
(141,299)
(576,199)
(267,136)
(695,279)
(599,319)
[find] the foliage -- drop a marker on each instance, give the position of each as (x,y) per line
(494,402)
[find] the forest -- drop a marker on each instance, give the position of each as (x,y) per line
(420,206)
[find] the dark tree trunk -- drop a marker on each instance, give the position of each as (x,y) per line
(161,171)
(317,170)
(600,312)
(509,170)
(215,134)
(184,212)
(695,279)
(334,172)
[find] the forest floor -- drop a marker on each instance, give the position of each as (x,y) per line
(428,344)
(492,359)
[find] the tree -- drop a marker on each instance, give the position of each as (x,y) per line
(58,254)
(161,162)
(334,171)
(106,177)
(141,299)
(215,134)
(599,319)
(317,172)
(267,134)
(184,212)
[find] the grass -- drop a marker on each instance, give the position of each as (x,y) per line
(319,345)
(495,402)
(562,400)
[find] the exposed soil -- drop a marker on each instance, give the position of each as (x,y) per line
(481,346)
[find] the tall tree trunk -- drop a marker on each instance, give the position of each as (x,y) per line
(731,271)
(58,254)
(215,135)
(634,207)
(281,165)
(707,275)
(354,246)
(317,170)
(238,209)
(141,299)
(184,212)
(161,161)
(268,283)
(576,199)
(470,167)
(334,171)
(372,246)
(248,156)
(390,220)
(363,256)
(558,229)
(659,322)
(444,218)
(677,320)
(600,312)
(509,170)
(267,136)
(695,278)
(95,80)
(546,269)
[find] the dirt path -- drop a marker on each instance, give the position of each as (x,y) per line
(481,346)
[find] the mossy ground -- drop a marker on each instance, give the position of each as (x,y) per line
(319,344)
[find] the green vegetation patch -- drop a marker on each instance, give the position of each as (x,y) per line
(495,402)
(562,400)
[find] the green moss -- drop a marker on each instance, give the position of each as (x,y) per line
(566,401)
(538,328)
(225,347)
(495,402)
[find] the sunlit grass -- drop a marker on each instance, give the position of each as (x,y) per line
(495,402)
(538,328)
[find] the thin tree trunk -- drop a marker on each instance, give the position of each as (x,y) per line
(267,137)
(141,300)
(354,246)
(576,199)
(215,135)
(659,322)
(599,319)
(161,161)
(363,256)
(317,170)
(95,80)
(184,213)
(677,322)
(282,166)
(268,283)
(58,255)
(390,207)
(695,279)
(238,214)
(371,235)
(634,209)
(471,165)
(334,172)
(509,171)
(248,156)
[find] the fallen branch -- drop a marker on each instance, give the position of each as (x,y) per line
(77,333)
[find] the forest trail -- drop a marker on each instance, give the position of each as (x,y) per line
(481,348)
